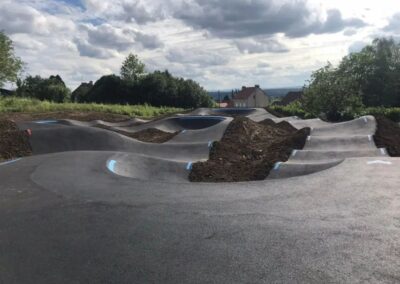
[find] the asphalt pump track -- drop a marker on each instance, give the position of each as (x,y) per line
(94,206)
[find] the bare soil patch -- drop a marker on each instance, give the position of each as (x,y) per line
(248,151)
(149,135)
(388,136)
(14,143)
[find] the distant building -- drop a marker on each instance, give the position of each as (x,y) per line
(250,97)
(4,92)
(290,98)
(79,93)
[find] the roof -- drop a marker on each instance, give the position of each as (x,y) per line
(245,93)
(291,97)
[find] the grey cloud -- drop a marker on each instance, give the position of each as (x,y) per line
(260,46)
(108,36)
(119,39)
(196,57)
(237,18)
(23,19)
(89,50)
(394,24)
(138,12)
(149,41)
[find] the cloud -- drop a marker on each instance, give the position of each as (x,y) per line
(148,41)
(108,36)
(119,39)
(237,18)
(89,50)
(250,45)
(394,24)
(196,57)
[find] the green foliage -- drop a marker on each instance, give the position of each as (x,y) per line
(157,89)
(370,77)
(296,109)
(293,109)
(51,89)
(16,104)
(10,65)
(331,93)
(132,69)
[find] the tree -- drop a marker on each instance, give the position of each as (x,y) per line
(370,77)
(10,65)
(51,89)
(331,92)
(132,69)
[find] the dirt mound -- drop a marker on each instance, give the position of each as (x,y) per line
(248,151)
(388,136)
(13,142)
(149,135)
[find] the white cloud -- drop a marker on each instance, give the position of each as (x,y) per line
(220,43)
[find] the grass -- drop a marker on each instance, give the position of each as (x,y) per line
(293,109)
(28,105)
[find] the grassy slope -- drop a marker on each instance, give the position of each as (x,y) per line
(13,104)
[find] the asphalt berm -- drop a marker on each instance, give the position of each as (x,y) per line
(149,135)
(248,151)
(388,136)
(13,142)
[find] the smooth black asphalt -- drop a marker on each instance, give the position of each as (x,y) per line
(92,206)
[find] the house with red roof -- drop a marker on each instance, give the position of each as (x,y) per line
(251,97)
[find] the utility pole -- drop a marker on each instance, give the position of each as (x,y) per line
(219,99)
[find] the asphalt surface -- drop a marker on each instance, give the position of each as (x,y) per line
(92,206)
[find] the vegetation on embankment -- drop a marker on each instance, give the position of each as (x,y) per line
(296,109)
(28,105)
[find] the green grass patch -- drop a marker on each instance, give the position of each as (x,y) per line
(28,105)
(295,109)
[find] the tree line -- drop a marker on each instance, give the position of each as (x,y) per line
(132,86)
(369,78)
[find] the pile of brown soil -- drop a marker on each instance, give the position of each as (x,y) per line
(248,151)
(13,142)
(149,135)
(388,136)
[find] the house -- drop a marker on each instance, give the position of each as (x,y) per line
(290,98)
(79,93)
(251,97)
(4,92)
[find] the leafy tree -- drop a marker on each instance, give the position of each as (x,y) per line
(370,77)
(132,69)
(109,89)
(51,89)
(10,65)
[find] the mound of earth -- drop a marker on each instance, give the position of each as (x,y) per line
(388,136)
(149,135)
(248,151)
(13,142)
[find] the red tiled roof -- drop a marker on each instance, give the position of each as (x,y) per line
(245,94)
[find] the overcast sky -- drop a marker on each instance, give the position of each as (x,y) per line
(222,44)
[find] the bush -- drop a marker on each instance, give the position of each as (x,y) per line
(51,89)
(157,89)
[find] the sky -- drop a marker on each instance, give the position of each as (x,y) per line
(222,44)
